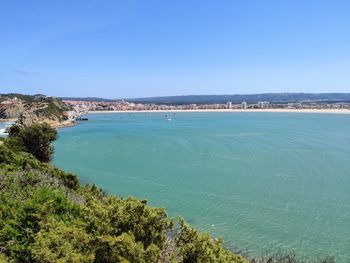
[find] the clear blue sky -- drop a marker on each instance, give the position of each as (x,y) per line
(130,48)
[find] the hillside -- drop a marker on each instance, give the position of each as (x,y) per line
(236,98)
(27,109)
(251,98)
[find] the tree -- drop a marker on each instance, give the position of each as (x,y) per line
(14,131)
(35,139)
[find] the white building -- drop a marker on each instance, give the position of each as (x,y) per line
(263,104)
(244,105)
(229,105)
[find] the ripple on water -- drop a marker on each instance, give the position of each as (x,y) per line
(262,181)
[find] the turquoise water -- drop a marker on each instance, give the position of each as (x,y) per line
(262,181)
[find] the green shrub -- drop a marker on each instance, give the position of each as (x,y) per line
(35,139)
(58,241)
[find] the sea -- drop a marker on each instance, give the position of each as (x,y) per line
(264,182)
(3,127)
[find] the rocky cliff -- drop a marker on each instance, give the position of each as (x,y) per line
(34,110)
(11,110)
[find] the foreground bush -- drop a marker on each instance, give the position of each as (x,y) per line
(35,139)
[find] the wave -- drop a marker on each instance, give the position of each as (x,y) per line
(4,126)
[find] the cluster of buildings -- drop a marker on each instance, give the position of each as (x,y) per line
(11,107)
(84,106)
(122,105)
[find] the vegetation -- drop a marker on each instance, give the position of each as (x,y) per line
(47,216)
(54,108)
(29,109)
(35,139)
(25,98)
(200,247)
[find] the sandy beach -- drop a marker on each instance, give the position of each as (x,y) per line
(330,111)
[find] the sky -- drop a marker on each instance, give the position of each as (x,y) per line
(127,49)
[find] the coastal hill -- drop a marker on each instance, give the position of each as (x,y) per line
(237,98)
(27,109)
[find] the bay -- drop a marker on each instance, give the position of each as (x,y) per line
(261,181)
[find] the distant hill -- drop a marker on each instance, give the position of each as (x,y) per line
(271,97)
(89,99)
(238,98)
(23,97)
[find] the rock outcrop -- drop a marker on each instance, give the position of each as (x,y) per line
(11,110)
(34,109)
(52,112)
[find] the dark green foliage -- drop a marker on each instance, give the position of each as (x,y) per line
(35,139)
(14,131)
(6,155)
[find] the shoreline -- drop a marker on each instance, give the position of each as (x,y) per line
(64,124)
(330,111)
(318,111)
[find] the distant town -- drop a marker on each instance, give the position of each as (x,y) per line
(65,111)
(122,105)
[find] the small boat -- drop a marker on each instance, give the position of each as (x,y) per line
(168,119)
(82,119)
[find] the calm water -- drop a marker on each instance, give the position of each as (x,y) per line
(262,181)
